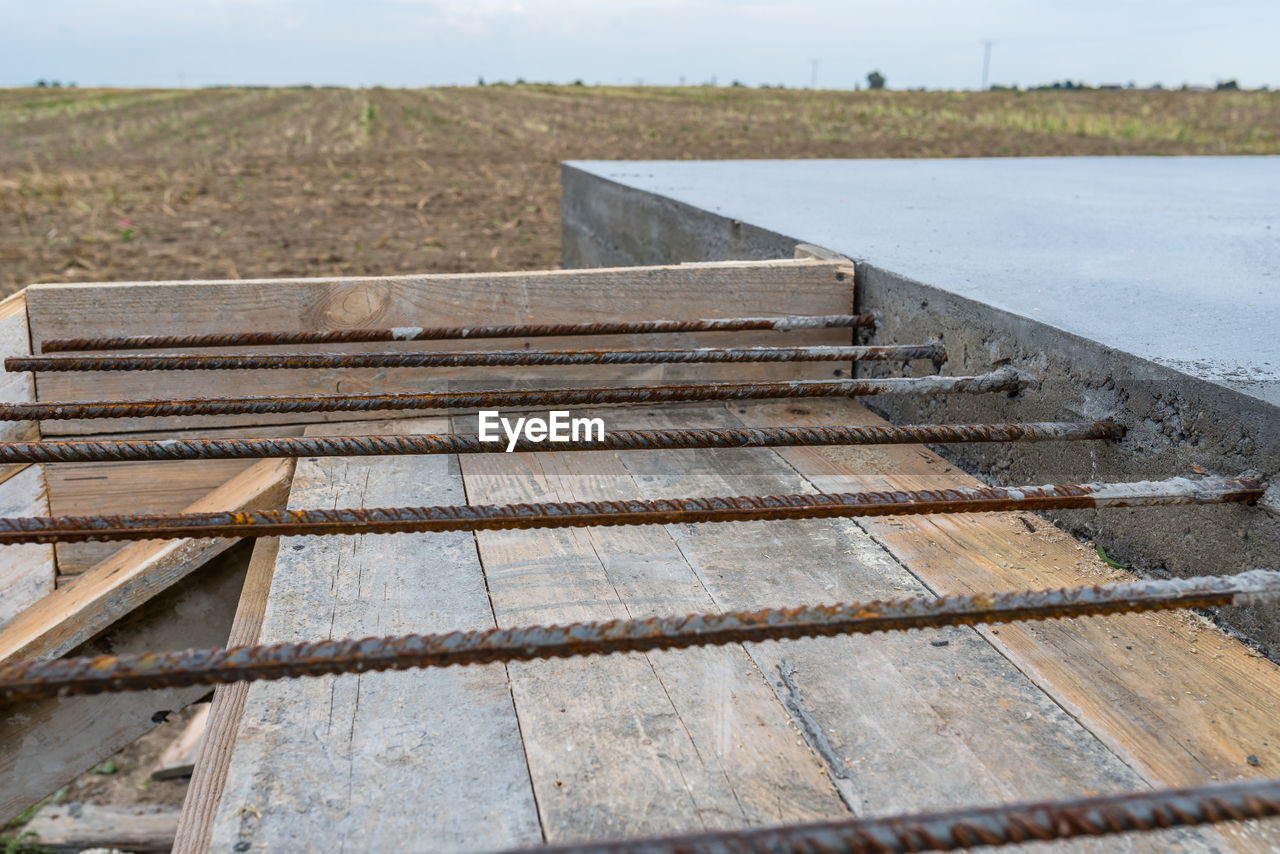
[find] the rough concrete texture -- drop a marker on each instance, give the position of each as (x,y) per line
(936,277)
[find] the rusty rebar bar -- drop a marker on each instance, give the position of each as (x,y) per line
(107,450)
(577,514)
(476,358)
(31,680)
(449,333)
(1005,379)
(1006,824)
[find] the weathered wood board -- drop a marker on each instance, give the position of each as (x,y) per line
(46,744)
(379,757)
(15,340)
(71,615)
(636,744)
(27,571)
(901,725)
(209,776)
(736,288)
(139,487)
(1176,698)
(79,827)
(179,758)
(630,745)
(491,757)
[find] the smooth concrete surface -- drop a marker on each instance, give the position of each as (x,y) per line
(1030,263)
(1176,260)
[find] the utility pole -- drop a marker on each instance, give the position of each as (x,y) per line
(986,61)
(813,74)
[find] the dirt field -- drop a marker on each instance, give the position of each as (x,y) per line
(216,183)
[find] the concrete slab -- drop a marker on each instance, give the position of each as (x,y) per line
(1143,289)
(1176,260)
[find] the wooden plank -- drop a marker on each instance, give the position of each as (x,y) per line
(47,744)
(139,487)
(379,757)
(15,340)
(179,758)
(27,571)
(903,725)
(632,744)
(71,615)
(78,827)
(1179,700)
(195,827)
(732,288)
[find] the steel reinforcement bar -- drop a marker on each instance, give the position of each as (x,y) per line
(449,333)
(32,680)
(1005,379)
(1006,824)
(104,450)
(577,514)
(478,358)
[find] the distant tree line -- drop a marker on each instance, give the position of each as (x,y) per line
(875,80)
(1080,86)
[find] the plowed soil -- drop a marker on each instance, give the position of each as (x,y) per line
(121,185)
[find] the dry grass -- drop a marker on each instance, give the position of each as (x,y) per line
(173,184)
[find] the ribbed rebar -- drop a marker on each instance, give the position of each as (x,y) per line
(576,514)
(1002,380)
(30,680)
(1006,824)
(447,333)
(478,358)
(105,450)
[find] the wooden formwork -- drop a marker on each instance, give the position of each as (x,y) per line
(512,755)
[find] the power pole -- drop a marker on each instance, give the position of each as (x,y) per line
(813,75)
(986,61)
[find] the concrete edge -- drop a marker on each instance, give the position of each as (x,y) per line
(1177,423)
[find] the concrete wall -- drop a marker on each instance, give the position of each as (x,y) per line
(1176,422)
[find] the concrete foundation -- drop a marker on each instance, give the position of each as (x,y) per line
(1139,288)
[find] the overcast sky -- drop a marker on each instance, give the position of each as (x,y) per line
(931,43)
